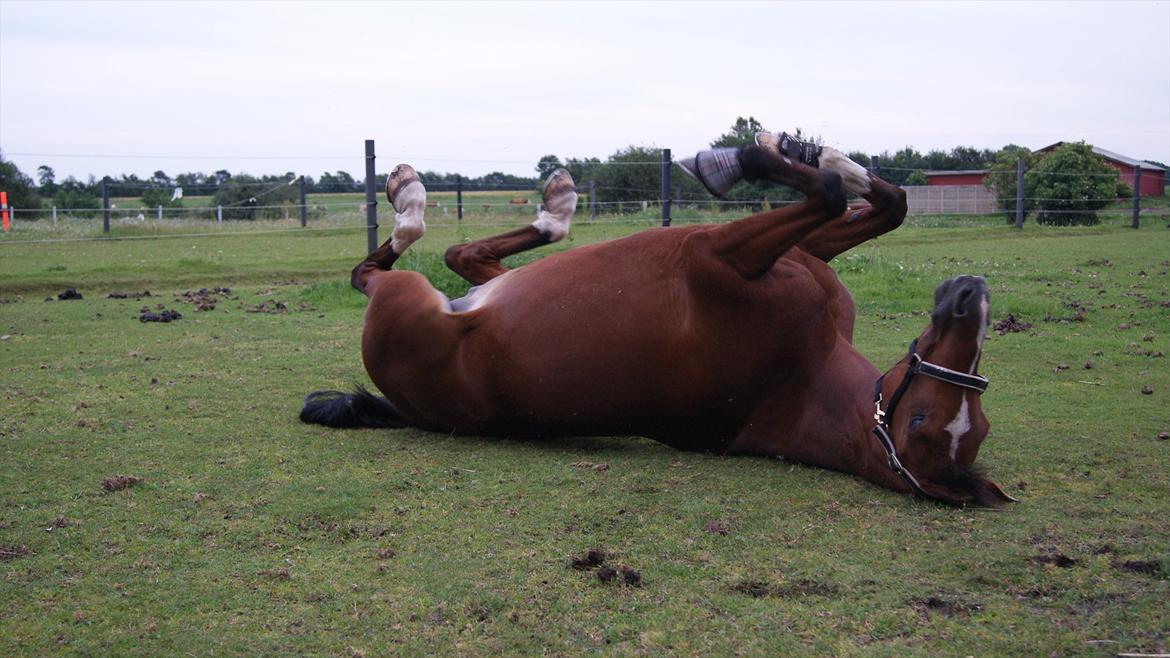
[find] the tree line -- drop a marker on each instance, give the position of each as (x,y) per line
(623,180)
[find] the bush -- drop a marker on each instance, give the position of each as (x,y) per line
(1070,184)
(248,197)
(1064,187)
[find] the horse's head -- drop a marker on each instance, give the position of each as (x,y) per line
(933,417)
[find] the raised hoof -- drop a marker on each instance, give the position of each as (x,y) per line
(559,203)
(787,146)
(399,178)
(717,169)
(557,184)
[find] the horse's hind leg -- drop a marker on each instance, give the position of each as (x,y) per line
(409,198)
(479,261)
(885,212)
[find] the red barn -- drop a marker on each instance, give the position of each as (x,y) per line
(1153,180)
(969,177)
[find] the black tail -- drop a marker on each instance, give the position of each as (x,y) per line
(358,409)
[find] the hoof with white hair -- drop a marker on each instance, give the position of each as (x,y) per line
(409,198)
(854,177)
(559,204)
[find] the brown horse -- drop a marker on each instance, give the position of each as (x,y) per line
(732,338)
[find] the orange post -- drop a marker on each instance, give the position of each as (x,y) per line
(4,210)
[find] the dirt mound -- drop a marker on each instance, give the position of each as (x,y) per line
(1011,325)
(166,316)
(120,482)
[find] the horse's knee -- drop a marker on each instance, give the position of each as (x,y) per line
(462,257)
(830,192)
(357,277)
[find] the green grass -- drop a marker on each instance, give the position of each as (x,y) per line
(254,534)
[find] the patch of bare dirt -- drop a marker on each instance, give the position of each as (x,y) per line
(1144,567)
(267,307)
(945,607)
(10,552)
(798,588)
(276,574)
(718,528)
(118,294)
(120,482)
(1055,559)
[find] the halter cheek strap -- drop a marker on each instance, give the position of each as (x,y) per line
(914,366)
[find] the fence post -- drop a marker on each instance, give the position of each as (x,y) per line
(666,187)
(54,214)
(1020,193)
(105,205)
(304,208)
(371,199)
(459,198)
(1137,194)
(592,200)
(160,212)
(219,214)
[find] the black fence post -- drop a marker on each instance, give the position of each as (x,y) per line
(592,200)
(1020,193)
(371,199)
(1137,194)
(666,187)
(459,198)
(105,205)
(304,208)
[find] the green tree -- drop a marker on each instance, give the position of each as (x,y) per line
(19,187)
(249,197)
(46,181)
(742,133)
(1001,179)
(1071,183)
(547,165)
(76,198)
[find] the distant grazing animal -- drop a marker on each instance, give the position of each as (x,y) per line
(730,338)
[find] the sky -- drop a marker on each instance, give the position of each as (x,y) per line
(112,88)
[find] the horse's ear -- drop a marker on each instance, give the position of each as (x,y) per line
(978,491)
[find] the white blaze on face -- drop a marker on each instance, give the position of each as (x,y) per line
(959,426)
(962,421)
(408,224)
(984,308)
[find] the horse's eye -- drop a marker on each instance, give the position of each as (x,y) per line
(915,421)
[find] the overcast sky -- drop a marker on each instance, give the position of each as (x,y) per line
(270,87)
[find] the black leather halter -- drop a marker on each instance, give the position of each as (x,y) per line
(914,366)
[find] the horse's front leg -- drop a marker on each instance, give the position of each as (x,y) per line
(885,212)
(479,261)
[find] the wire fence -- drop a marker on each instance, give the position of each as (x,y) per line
(637,191)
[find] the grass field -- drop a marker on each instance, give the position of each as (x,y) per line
(250,533)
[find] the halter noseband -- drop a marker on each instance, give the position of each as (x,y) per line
(915,365)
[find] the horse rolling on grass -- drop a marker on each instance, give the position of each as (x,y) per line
(734,338)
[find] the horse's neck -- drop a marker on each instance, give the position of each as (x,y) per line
(843,421)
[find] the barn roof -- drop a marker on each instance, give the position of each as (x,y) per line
(955,172)
(1116,157)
